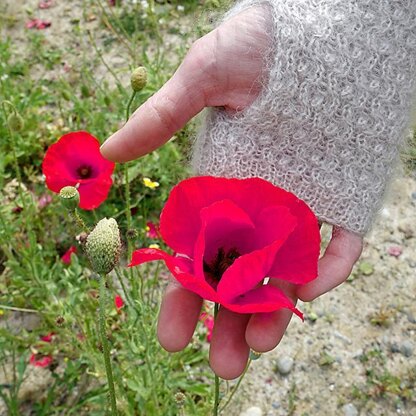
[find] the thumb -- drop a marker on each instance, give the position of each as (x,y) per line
(166,112)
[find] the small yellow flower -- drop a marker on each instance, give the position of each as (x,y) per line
(149,183)
(154,246)
(1,312)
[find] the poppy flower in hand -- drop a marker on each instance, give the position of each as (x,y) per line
(231,234)
(75,159)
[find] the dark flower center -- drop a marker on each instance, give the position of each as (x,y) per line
(84,172)
(221,262)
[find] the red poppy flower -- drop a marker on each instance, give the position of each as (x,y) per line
(230,234)
(66,257)
(39,360)
(75,160)
(118,302)
(152,230)
(48,337)
(208,321)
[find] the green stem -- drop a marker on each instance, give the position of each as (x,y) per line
(106,347)
(13,308)
(217,379)
(127,201)
(80,222)
(236,386)
(129,105)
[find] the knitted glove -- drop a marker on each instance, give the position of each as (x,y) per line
(330,119)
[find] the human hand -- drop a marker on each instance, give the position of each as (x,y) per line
(224,68)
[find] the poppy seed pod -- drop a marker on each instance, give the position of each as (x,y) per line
(15,122)
(103,246)
(138,78)
(69,197)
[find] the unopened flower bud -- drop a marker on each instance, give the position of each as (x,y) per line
(138,78)
(15,122)
(180,399)
(254,355)
(103,246)
(69,197)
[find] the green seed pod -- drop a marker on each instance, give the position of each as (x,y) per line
(69,197)
(66,95)
(138,78)
(103,246)
(15,122)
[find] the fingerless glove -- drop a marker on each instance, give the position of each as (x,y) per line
(329,121)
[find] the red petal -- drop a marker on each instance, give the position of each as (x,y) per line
(246,272)
(180,220)
(266,298)
(221,226)
(297,260)
(94,193)
(180,267)
(118,302)
(250,269)
(66,258)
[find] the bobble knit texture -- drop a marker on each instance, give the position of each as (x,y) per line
(331,117)
(103,246)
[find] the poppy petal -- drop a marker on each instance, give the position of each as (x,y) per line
(266,298)
(180,267)
(250,269)
(180,219)
(297,260)
(221,224)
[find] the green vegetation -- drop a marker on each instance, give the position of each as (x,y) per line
(69,84)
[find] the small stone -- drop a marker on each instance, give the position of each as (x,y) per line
(407,348)
(284,365)
(411,318)
(414,195)
(394,347)
(350,410)
(252,411)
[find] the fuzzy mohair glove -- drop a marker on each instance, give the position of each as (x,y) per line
(329,121)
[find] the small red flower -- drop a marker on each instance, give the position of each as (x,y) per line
(208,321)
(66,258)
(39,360)
(118,302)
(230,234)
(75,160)
(48,338)
(38,24)
(152,230)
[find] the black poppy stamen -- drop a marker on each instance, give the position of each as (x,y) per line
(221,262)
(84,172)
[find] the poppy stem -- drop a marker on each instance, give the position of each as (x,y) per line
(106,347)
(129,105)
(217,379)
(79,221)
